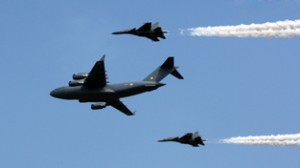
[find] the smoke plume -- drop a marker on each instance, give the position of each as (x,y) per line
(274,140)
(287,28)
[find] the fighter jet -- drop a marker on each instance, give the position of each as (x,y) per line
(193,139)
(147,30)
(93,86)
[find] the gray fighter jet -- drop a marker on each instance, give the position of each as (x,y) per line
(147,30)
(193,139)
(93,87)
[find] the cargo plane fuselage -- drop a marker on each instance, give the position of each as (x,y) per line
(93,87)
(105,93)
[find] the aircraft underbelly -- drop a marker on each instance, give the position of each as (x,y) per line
(97,95)
(127,93)
(133,91)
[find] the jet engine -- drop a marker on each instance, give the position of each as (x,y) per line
(80,76)
(76,83)
(98,106)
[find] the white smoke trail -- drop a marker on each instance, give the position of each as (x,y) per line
(274,140)
(287,28)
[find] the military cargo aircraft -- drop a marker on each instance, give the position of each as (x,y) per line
(93,86)
(193,139)
(147,30)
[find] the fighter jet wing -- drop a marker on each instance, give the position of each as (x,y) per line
(97,76)
(195,145)
(121,107)
(187,136)
(145,27)
(154,38)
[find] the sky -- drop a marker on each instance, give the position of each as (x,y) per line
(232,87)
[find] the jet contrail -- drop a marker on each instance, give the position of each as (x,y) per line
(287,28)
(274,140)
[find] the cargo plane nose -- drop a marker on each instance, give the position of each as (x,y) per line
(54,93)
(58,93)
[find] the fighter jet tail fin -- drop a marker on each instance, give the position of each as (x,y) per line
(155,25)
(160,33)
(162,71)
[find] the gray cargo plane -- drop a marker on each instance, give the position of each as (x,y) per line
(193,139)
(147,30)
(93,87)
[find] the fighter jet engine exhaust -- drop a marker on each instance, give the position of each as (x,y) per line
(280,29)
(272,140)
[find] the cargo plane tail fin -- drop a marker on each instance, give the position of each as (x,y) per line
(162,71)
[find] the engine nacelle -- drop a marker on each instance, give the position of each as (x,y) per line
(76,83)
(80,76)
(98,106)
